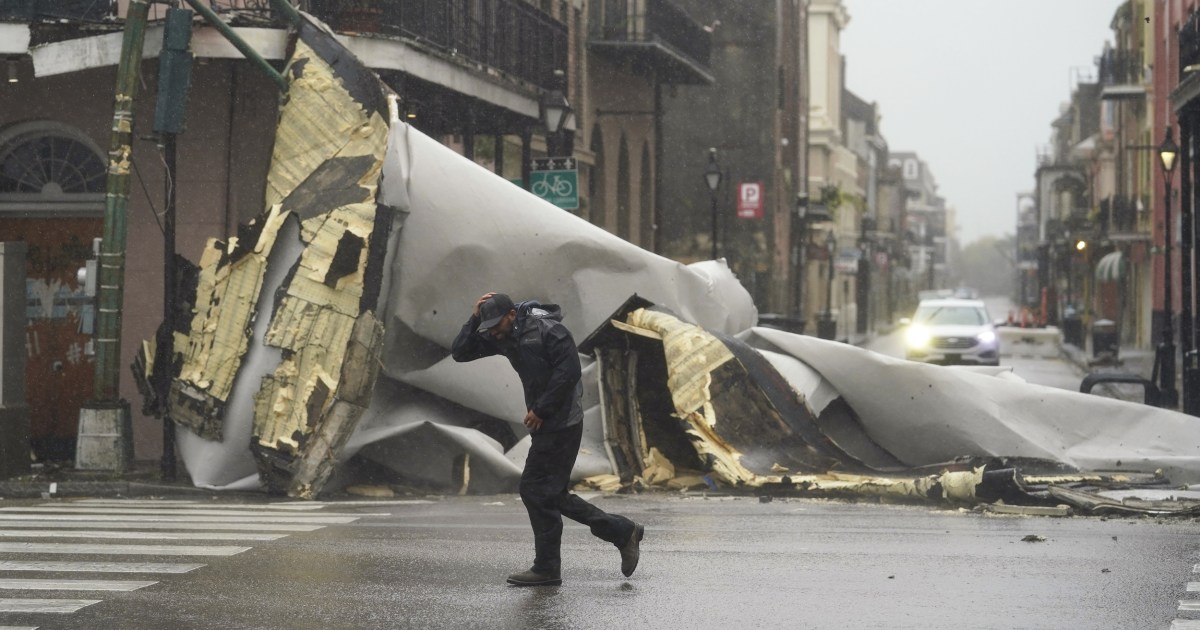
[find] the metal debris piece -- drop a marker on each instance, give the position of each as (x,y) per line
(1027,510)
(1094,503)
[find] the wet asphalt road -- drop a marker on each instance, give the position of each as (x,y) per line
(707,563)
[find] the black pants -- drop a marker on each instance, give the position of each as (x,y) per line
(544,492)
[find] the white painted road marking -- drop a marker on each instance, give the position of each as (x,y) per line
(175,512)
(1185,624)
(320,520)
(150,503)
(45,605)
(98,567)
(18,628)
(145,550)
(1189,604)
(72,585)
(281,527)
(1193,587)
(128,535)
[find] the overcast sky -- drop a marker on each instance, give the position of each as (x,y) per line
(972,86)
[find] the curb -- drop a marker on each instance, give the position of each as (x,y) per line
(67,488)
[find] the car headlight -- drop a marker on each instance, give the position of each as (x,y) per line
(986,336)
(917,337)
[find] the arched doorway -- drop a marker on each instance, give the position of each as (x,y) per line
(623,193)
(598,210)
(646,202)
(52,183)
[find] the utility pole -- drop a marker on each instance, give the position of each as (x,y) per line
(105,440)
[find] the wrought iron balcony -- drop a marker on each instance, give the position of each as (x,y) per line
(1118,217)
(507,35)
(653,31)
(1121,74)
(70,10)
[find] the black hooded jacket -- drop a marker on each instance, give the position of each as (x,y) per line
(544,355)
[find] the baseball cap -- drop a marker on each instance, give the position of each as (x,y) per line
(493,310)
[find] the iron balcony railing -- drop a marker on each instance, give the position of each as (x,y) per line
(1119,66)
(1119,215)
(57,10)
(508,35)
(1189,44)
(650,21)
(511,36)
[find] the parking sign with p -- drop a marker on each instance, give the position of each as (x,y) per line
(750,200)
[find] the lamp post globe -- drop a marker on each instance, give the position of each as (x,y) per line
(556,111)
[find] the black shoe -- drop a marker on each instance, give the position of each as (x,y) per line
(533,578)
(631,550)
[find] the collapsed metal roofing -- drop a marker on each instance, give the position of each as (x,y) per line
(321,334)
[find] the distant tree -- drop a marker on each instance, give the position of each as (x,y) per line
(987,265)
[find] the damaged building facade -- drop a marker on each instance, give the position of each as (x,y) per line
(318,331)
(471,78)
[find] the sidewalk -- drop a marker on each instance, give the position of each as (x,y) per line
(51,481)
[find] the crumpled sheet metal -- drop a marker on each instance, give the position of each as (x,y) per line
(926,414)
(443,231)
(468,231)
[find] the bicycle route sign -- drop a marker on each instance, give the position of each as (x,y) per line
(556,180)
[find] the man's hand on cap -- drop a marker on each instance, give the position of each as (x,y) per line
(484,298)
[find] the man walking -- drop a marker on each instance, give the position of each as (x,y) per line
(540,348)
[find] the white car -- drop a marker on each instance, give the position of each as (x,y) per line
(951,332)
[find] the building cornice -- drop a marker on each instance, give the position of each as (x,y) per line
(100,51)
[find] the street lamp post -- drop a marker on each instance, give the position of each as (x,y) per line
(712,177)
(1167,152)
(556,112)
(801,218)
(1187,328)
(827,327)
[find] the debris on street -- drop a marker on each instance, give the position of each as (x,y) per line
(318,354)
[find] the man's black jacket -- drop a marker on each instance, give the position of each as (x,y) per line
(543,353)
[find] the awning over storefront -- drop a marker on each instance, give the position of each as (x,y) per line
(1112,267)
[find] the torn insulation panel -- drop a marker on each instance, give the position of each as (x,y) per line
(325,171)
(230,280)
(674,392)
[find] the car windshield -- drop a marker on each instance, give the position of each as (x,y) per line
(950,316)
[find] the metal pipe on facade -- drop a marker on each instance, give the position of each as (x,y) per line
(239,43)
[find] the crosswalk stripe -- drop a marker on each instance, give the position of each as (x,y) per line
(18,628)
(1193,587)
(219,526)
(72,585)
(131,535)
(298,507)
(1189,604)
(172,512)
(146,550)
(1185,624)
(311,520)
(98,567)
(45,605)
